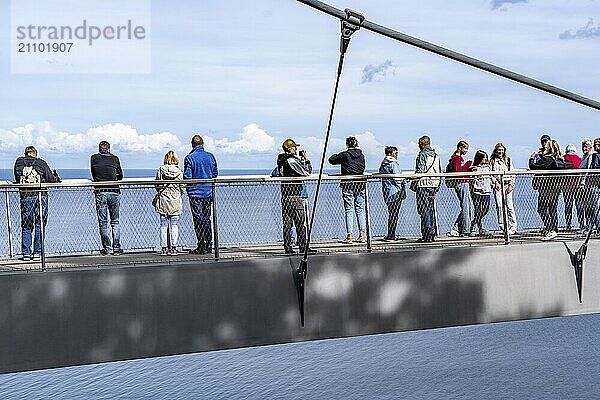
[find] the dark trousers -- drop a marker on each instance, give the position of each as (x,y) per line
(547,205)
(571,195)
(426,209)
(393,211)
(201,214)
(292,212)
(481,203)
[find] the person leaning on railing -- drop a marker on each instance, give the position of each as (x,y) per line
(393,189)
(462,224)
(200,164)
(548,187)
(594,183)
(292,208)
(167,202)
(571,189)
(427,162)
(500,162)
(29,169)
(106,167)
(585,192)
(352,162)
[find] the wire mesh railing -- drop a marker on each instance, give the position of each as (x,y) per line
(252,211)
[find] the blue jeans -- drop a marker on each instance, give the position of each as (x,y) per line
(463,221)
(107,204)
(547,205)
(571,196)
(201,214)
(30,218)
(354,203)
(594,215)
(426,209)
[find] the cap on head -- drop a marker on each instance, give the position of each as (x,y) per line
(288,144)
(544,138)
(30,150)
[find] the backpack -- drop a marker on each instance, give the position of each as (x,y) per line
(450,182)
(30,175)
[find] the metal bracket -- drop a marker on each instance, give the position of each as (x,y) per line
(577,259)
(351,24)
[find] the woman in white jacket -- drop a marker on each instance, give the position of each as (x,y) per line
(500,162)
(168,202)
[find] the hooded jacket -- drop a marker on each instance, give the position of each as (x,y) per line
(428,162)
(351,161)
(169,195)
(40,166)
(393,189)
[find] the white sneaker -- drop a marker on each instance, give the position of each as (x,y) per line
(454,233)
(512,231)
(550,235)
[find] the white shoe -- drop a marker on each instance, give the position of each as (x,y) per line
(454,233)
(512,232)
(550,235)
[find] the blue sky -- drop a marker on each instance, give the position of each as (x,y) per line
(247,77)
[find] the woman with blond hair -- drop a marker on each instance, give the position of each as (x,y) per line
(548,186)
(167,202)
(500,162)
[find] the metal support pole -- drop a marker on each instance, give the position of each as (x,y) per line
(8,223)
(214,218)
(453,55)
(504,211)
(42,236)
(367,216)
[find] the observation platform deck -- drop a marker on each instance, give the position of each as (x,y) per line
(241,253)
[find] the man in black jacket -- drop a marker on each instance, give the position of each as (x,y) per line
(292,208)
(352,162)
(29,169)
(106,167)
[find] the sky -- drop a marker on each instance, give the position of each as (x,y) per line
(248,77)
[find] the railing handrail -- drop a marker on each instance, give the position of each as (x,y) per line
(266,178)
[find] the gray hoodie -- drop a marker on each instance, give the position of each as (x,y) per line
(169,198)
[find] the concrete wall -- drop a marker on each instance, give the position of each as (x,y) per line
(87,316)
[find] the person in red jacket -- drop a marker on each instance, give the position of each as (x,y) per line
(570,190)
(462,224)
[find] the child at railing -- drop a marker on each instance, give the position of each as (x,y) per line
(481,190)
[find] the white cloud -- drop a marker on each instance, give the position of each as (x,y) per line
(252,140)
(127,139)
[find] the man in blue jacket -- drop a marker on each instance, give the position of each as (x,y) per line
(200,164)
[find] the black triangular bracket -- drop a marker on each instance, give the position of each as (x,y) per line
(577,259)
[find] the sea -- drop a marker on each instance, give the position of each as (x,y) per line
(554,358)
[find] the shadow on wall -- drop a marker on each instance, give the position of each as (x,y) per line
(79,317)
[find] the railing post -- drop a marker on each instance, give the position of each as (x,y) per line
(367,215)
(8,223)
(504,210)
(214,218)
(42,236)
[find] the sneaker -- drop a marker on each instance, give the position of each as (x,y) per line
(208,250)
(173,251)
(389,239)
(104,252)
(483,232)
(512,232)
(118,252)
(310,251)
(349,238)
(35,257)
(454,233)
(361,238)
(197,250)
(164,251)
(26,257)
(550,235)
